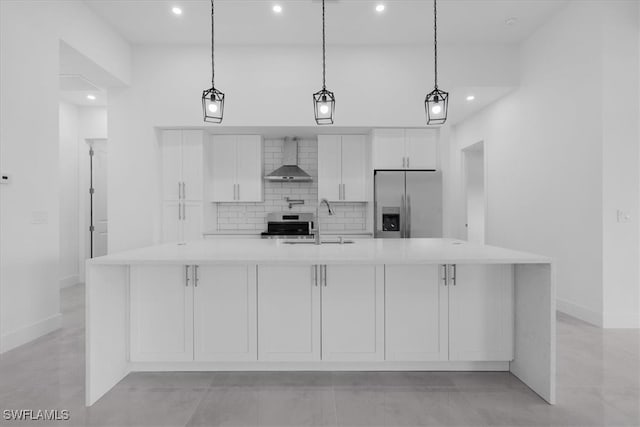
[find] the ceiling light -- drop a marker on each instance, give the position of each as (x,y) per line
(511,21)
(470,98)
(324,102)
(91,97)
(277,8)
(212,99)
(380,8)
(437,101)
(176,10)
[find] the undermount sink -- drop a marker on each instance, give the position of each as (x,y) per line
(323,242)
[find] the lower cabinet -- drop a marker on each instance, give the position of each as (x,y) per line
(462,314)
(186,313)
(161,314)
(416,313)
(481,313)
(302,309)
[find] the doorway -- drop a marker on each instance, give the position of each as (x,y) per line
(97,203)
(474,192)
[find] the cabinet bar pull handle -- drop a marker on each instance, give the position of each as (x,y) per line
(179,212)
(403,162)
(314,275)
(195,276)
(184,212)
(184,191)
(179,190)
(453,275)
(186,275)
(238,191)
(445,279)
(408,158)
(344,191)
(325,275)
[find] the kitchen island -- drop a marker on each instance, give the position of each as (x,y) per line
(374,304)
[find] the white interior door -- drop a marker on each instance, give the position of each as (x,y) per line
(222,162)
(171,154)
(474,192)
(192,165)
(225,310)
(416,312)
(99,177)
(249,175)
(481,313)
(354,168)
(288,314)
(352,312)
(329,167)
(161,314)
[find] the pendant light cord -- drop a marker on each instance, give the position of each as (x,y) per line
(435,42)
(213,63)
(324,60)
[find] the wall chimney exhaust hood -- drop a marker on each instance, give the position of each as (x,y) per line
(289,171)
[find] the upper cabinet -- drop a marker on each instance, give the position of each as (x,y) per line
(235,168)
(182,161)
(342,168)
(405,149)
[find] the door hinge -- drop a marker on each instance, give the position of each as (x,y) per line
(92,190)
(91,228)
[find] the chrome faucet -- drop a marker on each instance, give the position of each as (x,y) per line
(316,229)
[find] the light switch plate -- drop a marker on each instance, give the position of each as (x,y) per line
(624,216)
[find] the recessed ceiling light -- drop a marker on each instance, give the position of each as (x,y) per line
(176,10)
(277,8)
(91,97)
(470,98)
(380,8)
(511,21)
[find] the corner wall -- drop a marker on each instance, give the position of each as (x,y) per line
(562,158)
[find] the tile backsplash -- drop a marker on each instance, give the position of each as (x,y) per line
(252,216)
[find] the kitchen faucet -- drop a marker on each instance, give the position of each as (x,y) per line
(316,229)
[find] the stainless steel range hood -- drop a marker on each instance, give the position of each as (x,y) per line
(289,171)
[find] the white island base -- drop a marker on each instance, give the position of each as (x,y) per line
(375,305)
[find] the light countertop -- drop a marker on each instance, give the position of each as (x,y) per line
(362,251)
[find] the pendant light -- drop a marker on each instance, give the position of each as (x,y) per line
(212,99)
(437,101)
(324,103)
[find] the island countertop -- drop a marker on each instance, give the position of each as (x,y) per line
(362,251)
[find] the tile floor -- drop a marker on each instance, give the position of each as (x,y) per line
(598,385)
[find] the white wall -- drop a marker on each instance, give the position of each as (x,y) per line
(552,146)
(167,84)
(29,130)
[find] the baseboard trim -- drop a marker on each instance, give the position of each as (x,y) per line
(71,280)
(583,313)
(29,333)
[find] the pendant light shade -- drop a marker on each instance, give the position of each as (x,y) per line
(212,99)
(324,102)
(436,103)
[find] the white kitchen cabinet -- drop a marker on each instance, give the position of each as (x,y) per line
(161,314)
(416,313)
(342,168)
(352,307)
(481,313)
(235,168)
(181,221)
(405,149)
(288,313)
(225,310)
(182,165)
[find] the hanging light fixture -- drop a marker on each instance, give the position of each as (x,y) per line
(437,101)
(324,102)
(212,99)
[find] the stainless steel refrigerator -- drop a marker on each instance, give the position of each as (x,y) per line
(408,204)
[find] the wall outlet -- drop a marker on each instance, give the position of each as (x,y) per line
(39,217)
(5,178)
(624,216)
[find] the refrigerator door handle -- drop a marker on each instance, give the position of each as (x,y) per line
(403,217)
(408,233)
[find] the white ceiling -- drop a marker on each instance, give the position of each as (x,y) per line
(348,21)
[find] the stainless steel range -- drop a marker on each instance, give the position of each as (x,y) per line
(286,225)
